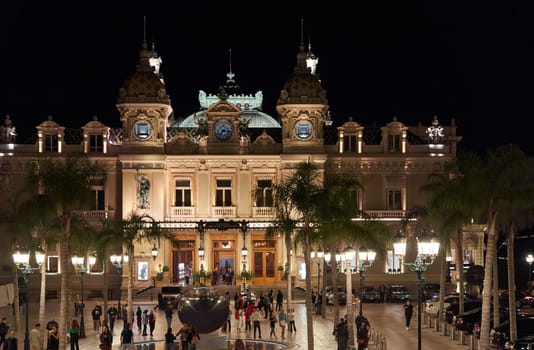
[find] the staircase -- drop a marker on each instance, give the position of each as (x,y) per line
(146,295)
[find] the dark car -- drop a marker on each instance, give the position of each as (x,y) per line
(525,343)
(399,293)
(522,298)
(454,309)
(431,291)
(469,322)
(370,294)
(500,335)
(171,295)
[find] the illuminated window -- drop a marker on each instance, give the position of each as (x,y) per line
(52,264)
(394,200)
(51,143)
(394,263)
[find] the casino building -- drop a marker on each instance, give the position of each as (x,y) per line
(206,178)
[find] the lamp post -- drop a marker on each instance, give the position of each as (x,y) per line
(22,261)
(79,264)
(530,259)
(349,256)
(318,257)
(427,250)
(327,259)
(118,261)
(366,257)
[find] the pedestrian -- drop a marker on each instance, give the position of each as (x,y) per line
(342,335)
(35,337)
(127,337)
(106,338)
(238,319)
(4,328)
(193,338)
(168,314)
(96,313)
(248,321)
(152,322)
(272,324)
(139,318)
(145,322)
(112,314)
(282,322)
(279,300)
(169,339)
(11,341)
(53,339)
(408,312)
(74,334)
(291,320)
(77,305)
(183,333)
(255,317)
(363,336)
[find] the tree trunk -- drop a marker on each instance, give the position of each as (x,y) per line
(42,299)
(309,291)
(460,268)
(289,286)
(511,283)
(483,344)
(131,263)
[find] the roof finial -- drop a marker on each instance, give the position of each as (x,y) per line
(230,59)
(302,31)
(230,75)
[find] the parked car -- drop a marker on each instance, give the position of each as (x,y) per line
(523,298)
(524,343)
(171,295)
(370,294)
(469,320)
(500,335)
(431,291)
(454,309)
(399,293)
(342,296)
(432,306)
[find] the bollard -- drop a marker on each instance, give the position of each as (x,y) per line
(471,342)
(462,338)
(444,326)
(436,325)
(453,332)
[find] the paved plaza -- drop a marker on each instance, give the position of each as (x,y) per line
(387,320)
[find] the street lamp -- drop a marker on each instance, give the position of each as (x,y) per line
(79,264)
(22,261)
(118,261)
(427,250)
(530,259)
(366,257)
(349,256)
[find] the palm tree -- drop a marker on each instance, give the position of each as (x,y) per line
(66,182)
(303,191)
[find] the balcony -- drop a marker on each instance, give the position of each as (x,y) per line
(221,212)
(385,215)
(94,214)
(263,212)
(179,212)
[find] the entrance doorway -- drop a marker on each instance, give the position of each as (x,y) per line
(264,267)
(182,263)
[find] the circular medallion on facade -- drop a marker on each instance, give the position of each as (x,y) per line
(142,129)
(223,130)
(303,129)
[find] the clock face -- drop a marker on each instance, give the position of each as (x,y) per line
(303,129)
(223,130)
(142,129)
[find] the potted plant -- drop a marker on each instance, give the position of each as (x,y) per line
(280,271)
(202,277)
(161,275)
(245,274)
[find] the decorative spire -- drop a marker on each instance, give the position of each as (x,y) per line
(311,59)
(230,86)
(144,54)
(230,75)
(301,56)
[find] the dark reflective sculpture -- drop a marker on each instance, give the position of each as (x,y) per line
(204,309)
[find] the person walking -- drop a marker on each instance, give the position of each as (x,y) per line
(127,337)
(35,337)
(11,341)
(169,339)
(256,317)
(272,324)
(106,338)
(193,338)
(279,300)
(145,322)
(112,314)
(139,319)
(152,322)
(408,312)
(282,322)
(291,320)
(168,314)
(96,313)
(74,334)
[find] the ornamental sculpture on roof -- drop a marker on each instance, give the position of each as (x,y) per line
(435,132)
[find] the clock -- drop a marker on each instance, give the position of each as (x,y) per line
(142,129)
(303,129)
(223,130)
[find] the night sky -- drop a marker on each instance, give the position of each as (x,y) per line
(376,60)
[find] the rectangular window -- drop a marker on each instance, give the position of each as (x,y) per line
(96,143)
(264,193)
(51,143)
(182,193)
(223,193)
(349,143)
(394,200)
(52,264)
(98,199)
(394,143)
(394,263)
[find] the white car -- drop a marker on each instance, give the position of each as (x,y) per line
(432,306)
